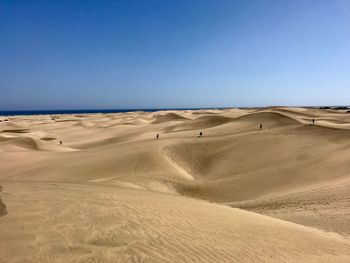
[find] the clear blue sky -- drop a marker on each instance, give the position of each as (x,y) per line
(161,54)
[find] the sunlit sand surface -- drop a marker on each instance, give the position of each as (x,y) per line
(112,192)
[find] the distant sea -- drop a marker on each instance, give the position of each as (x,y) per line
(51,112)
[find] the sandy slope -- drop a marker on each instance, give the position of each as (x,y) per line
(112,193)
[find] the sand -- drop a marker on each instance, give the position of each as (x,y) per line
(113,193)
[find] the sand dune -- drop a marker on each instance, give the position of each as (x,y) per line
(114,193)
(108,224)
(167,117)
(22,142)
(269,119)
(198,124)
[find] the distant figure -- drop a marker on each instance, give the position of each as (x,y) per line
(61,142)
(200,134)
(260,126)
(157,136)
(313,121)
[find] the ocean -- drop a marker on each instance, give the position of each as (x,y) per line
(51,112)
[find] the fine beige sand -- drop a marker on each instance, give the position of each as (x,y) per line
(113,193)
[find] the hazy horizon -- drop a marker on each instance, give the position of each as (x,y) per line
(57,55)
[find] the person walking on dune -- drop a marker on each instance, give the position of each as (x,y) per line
(200,134)
(260,126)
(313,121)
(61,142)
(157,136)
